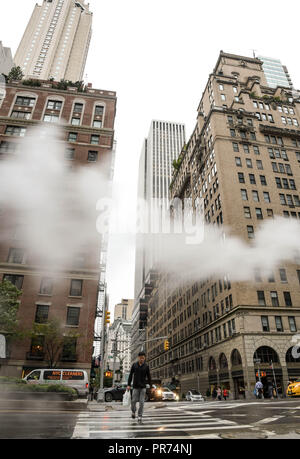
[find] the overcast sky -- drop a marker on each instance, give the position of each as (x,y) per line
(157,56)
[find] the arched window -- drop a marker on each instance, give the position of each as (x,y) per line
(236,358)
(266,355)
(212,364)
(223,361)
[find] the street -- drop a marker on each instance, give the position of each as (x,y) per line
(182,420)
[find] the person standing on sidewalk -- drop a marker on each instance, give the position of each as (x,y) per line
(140,373)
(219,393)
(225,394)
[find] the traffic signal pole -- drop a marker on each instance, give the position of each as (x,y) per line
(105,320)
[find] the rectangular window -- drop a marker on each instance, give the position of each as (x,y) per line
(270,212)
(17,281)
(95,139)
(238,161)
(247,213)
(16,256)
(252,179)
(75,121)
(249,163)
(20,115)
(76,287)
(92,156)
(292,324)
(274,298)
(259,164)
(41,314)
(51,118)
(278,323)
(232,133)
(46,286)
(256,150)
(54,104)
(244,195)
(255,196)
(265,323)
(236,146)
(25,101)
(266,196)
(282,274)
(99,110)
(72,137)
(287,299)
(250,231)
(16,131)
(78,108)
(263,180)
(70,153)
(97,124)
(73,316)
(241,177)
(259,214)
(261,298)
(282,199)
(246,148)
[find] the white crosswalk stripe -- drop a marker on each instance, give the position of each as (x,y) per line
(166,423)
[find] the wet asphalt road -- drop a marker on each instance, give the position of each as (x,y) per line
(181,420)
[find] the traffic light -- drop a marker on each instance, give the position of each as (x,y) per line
(166,345)
(107,317)
(108,374)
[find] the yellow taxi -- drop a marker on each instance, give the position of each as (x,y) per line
(293,389)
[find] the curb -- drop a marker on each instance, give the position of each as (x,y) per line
(43,405)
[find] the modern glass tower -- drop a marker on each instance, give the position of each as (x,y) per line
(276,74)
(56,41)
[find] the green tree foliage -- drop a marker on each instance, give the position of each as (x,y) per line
(15,74)
(9,305)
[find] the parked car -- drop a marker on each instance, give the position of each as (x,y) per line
(77,379)
(115,393)
(194,396)
(167,394)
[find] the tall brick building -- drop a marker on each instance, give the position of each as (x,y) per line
(243,161)
(70,294)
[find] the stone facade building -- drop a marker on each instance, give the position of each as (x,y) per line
(56,41)
(242,160)
(70,293)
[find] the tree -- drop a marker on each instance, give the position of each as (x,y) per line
(9,305)
(15,74)
(55,340)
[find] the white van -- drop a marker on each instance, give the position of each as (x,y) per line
(77,379)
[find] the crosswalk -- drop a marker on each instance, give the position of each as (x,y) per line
(173,422)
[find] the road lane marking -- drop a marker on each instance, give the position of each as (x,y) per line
(108,432)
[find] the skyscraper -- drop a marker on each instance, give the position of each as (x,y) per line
(276,74)
(243,160)
(56,41)
(162,147)
(6,62)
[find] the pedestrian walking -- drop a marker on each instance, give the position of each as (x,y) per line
(214,393)
(219,393)
(270,390)
(225,394)
(259,389)
(140,373)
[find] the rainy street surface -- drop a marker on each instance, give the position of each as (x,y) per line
(167,420)
(184,420)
